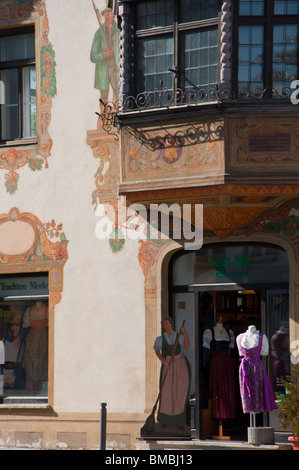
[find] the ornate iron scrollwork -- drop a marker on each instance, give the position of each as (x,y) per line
(108,117)
(167,98)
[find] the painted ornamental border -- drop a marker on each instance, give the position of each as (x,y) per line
(35,153)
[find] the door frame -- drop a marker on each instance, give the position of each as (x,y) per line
(196,289)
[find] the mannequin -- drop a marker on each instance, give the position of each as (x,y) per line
(220,340)
(36,366)
(256,391)
(2,361)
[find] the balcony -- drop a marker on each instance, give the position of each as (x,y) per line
(163,98)
(201,137)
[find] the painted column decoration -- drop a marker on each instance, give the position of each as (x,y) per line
(225,51)
(104,141)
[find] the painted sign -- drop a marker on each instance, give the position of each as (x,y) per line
(230,266)
(24,286)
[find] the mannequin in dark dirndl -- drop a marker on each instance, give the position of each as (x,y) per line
(220,341)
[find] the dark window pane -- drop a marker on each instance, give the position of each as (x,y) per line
(155,57)
(155,13)
(244,54)
(251,53)
(278,53)
(251,8)
(195,10)
(257,54)
(285,55)
(17,47)
(200,57)
(10,107)
(257,73)
(286,7)
(244,73)
(245,35)
(18,86)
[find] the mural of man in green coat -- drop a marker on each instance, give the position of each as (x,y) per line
(104,53)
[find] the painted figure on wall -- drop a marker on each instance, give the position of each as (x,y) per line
(174,393)
(104,53)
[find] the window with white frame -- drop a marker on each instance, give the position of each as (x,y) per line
(18,84)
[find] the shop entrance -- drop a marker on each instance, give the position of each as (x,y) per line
(242,285)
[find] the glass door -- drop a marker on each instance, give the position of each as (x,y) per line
(184,309)
(278,335)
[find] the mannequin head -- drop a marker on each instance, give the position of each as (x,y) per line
(15,325)
(252,329)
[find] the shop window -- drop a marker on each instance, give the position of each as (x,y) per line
(18,84)
(243,284)
(267,38)
(176,48)
(24,337)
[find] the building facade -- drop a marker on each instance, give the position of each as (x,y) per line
(111,114)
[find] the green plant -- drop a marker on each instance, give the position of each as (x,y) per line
(288,404)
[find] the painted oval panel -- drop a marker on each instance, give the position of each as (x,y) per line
(16,237)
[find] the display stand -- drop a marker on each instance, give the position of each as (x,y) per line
(259,435)
(220,436)
(252,420)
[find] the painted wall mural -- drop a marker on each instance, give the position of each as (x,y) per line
(35,155)
(104,54)
(170,152)
(25,239)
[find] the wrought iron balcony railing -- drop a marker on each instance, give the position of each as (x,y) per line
(169,99)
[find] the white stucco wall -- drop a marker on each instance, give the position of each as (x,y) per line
(99,324)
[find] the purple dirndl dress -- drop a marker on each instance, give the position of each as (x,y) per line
(255,387)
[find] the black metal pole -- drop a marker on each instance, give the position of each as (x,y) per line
(103,420)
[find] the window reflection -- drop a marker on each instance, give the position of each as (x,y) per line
(251,56)
(285,55)
(248,8)
(173,34)
(286,7)
(18,77)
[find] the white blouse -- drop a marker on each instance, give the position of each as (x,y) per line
(170,340)
(249,341)
(207,338)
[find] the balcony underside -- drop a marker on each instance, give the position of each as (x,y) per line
(219,148)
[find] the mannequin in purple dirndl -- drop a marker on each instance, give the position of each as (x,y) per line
(255,387)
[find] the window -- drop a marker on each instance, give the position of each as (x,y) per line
(176,46)
(267,45)
(24,337)
(18,84)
